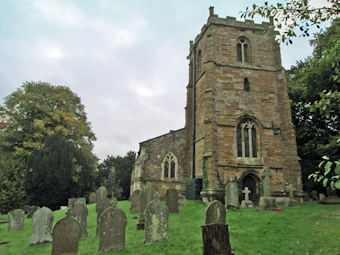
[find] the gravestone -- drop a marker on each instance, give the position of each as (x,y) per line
(66,235)
(215,213)
(30,210)
(79,212)
(16,220)
(231,194)
(246,203)
(182,200)
(171,200)
(266,174)
(291,189)
(71,201)
(101,194)
(112,228)
(135,205)
(92,198)
(82,199)
(101,205)
(147,194)
(215,239)
(282,202)
(156,221)
(42,226)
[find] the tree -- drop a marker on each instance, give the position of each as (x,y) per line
(296,17)
(57,171)
(39,109)
(121,176)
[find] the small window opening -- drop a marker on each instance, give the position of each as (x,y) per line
(246,84)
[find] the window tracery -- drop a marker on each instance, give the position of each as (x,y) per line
(169,166)
(246,139)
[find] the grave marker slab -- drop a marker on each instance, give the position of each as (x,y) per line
(92,198)
(16,220)
(66,235)
(79,212)
(135,202)
(42,226)
(215,213)
(147,194)
(171,200)
(231,194)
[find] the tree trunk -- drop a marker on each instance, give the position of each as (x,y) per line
(216,240)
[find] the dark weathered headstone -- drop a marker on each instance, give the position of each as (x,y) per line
(42,226)
(147,194)
(135,202)
(101,205)
(92,198)
(171,200)
(79,212)
(231,194)
(66,235)
(112,228)
(16,220)
(215,213)
(71,201)
(216,240)
(156,221)
(30,210)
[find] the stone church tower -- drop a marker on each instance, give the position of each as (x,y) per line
(237,118)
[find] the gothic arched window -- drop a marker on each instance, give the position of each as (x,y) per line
(243,51)
(199,62)
(246,84)
(169,166)
(246,140)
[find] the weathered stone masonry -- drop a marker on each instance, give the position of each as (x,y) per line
(237,119)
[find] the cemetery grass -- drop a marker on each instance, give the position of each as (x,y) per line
(311,229)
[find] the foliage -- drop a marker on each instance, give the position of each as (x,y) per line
(56,172)
(118,180)
(305,229)
(12,191)
(37,110)
(296,17)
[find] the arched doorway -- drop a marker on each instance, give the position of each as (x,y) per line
(251,181)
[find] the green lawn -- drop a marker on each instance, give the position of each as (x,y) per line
(306,229)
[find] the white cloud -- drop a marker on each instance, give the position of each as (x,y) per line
(53,52)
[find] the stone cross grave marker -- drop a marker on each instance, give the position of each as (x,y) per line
(79,212)
(147,194)
(156,221)
(16,220)
(231,193)
(290,189)
(246,192)
(42,226)
(171,200)
(112,228)
(66,235)
(135,203)
(215,213)
(266,174)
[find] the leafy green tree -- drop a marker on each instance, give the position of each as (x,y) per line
(37,110)
(121,176)
(57,171)
(296,17)
(12,190)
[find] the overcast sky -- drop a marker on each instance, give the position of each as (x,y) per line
(126,59)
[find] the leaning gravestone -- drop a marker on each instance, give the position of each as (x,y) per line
(156,221)
(231,194)
(135,205)
(92,198)
(66,235)
(30,210)
(215,213)
(147,194)
(246,202)
(100,208)
(16,220)
(79,212)
(42,226)
(171,200)
(112,228)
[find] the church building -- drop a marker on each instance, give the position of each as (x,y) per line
(237,119)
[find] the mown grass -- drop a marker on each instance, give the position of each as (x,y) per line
(311,229)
